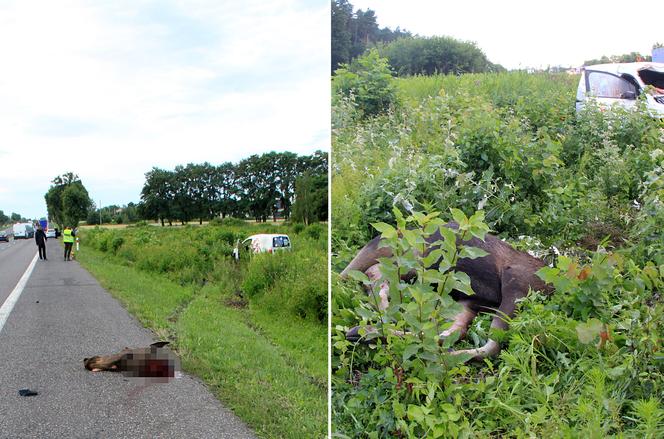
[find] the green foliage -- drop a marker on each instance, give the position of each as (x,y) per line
(585,190)
(431,55)
(315,231)
(311,198)
(67,200)
(592,373)
(292,284)
(277,363)
(624,58)
(368,80)
(281,283)
(259,186)
(354,31)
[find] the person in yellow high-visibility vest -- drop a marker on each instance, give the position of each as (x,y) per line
(68,239)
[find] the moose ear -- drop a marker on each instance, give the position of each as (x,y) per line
(85,359)
(159,344)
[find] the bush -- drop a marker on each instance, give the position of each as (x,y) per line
(289,284)
(580,363)
(369,81)
(314,231)
(229,222)
(428,56)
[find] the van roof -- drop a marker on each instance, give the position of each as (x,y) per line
(266,235)
(629,67)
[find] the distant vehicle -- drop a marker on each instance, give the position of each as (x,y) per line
(263,243)
(50,233)
(621,84)
(4,236)
(23,231)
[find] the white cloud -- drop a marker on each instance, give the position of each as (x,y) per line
(109,91)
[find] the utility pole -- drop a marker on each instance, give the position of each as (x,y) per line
(100,212)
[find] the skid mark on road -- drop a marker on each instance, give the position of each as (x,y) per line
(7,307)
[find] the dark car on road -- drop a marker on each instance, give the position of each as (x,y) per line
(4,236)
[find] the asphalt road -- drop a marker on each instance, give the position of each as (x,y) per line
(62,316)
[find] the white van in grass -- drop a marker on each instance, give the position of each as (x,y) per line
(263,243)
(621,84)
(23,231)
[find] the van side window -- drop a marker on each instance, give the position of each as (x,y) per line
(280,241)
(605,85)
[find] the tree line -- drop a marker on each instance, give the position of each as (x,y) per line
(353,33)
(14,218)
(264,186)
(259,187)
(624,58)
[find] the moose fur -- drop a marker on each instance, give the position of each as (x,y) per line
(151,362)
(498,280)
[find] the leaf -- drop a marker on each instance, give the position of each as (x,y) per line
(588,331)
(462,282)
(583,275)
(472,252)
(548,274)
(410,350)
(386,230)
(358,276)
(366,314)
(432,257)
(459,217)
(411,237)
(415,413)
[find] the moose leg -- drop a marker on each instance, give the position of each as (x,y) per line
(461,321)
(373,273)
(513,287)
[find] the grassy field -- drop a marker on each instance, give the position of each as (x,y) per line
(227,320)
(584,192)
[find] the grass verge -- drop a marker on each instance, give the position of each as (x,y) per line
(252,361)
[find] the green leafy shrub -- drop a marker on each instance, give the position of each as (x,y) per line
(315,231)
(369,80)
(291,284)
(585,190)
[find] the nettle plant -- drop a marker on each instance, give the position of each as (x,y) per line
(409,351)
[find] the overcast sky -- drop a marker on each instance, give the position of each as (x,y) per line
(107,90)
(531,33)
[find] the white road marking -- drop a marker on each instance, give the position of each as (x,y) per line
(7,307)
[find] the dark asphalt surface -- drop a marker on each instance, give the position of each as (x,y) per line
(14,259)
(62,316)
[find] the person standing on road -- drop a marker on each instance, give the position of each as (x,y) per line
(40,239)
(68,239)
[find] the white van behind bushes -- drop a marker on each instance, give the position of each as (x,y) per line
(263,243)
(621,84)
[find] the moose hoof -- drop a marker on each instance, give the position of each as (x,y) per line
(353,334)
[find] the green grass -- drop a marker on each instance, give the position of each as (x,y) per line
(548,180)
(271,372)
